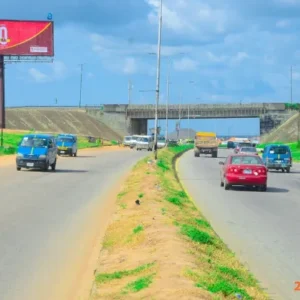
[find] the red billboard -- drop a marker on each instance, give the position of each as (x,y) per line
(26,38)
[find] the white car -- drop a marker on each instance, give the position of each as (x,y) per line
(127,141)
(144,142)
(161,142)
(133,141)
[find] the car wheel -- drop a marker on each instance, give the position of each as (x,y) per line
(221,184)
(288,170)
(226,185)
(263,188)
(282,170)
(18,169)
(53,166)
(46,166)
(215,154)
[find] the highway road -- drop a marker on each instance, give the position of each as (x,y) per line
(262,228)
(49,221)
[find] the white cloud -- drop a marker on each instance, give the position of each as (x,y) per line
(59,69)
(296,75)
(185,64)
(283,23)
(38,76)
(90,75)
(214,58)
(288,2)
(241,56)
(130,66)
(196,19)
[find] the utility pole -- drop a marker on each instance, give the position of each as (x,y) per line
(2,99)
(80,92)
(298,135)
(167,101)
(157,79)
(189,120)
(129,91)
(291,84)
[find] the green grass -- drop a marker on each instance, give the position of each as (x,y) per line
(295,148)
(221,273)
(202,222)
(139,284)
(196,235)
(11,141)
(222,146)
(138,229)
(106,277)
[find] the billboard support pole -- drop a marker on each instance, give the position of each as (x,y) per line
(2,98)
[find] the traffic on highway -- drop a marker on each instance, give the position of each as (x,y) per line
(50,220)
(258,215)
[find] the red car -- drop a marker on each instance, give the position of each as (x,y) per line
(244,170)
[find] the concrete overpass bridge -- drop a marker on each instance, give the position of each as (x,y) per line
(271,115)
(133,119)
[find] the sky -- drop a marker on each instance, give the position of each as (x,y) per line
(217,52)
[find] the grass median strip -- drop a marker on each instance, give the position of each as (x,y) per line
(157,225)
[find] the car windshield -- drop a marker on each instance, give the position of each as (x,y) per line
(34,142)
(246,160)
(143,139)
(244,145)
(134,138)
(279,150)
(248,149)
(65,139)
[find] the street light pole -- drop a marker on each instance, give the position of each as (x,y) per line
(291,84)
(157,79)
(167,102)
(189,120)
(80,92)
(129,91)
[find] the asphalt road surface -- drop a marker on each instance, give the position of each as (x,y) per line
(48,218)
(262,228)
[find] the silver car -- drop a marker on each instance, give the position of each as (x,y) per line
(161,142)
(127,141)
(248,150)
(144,142)
(133,141)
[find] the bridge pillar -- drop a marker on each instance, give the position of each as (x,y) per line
(139,126)
(268,122)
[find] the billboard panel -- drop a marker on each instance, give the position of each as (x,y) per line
(26,38)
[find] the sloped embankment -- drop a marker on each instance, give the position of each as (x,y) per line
(287,132)
(74,121)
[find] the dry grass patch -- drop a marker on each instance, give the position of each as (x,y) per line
(159,246)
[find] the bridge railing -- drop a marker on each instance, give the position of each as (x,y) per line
(198,106)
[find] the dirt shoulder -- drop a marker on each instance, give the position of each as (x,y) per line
(163,248)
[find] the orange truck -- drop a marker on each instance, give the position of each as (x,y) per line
(207,143)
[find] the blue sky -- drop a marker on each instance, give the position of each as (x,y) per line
(232,50)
